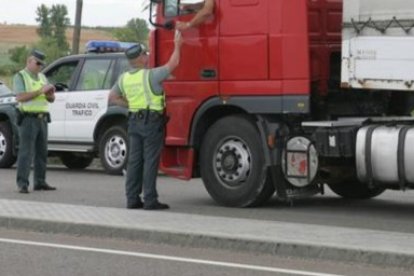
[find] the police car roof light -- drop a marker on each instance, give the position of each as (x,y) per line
(107,46)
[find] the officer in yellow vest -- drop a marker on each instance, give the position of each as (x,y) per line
(34,94)
(140,90)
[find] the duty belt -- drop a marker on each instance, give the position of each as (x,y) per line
(39,115)
(143,113)
(146,115)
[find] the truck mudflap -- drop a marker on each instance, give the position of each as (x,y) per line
(292,161)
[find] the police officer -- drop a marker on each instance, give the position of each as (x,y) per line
(34,93)
(140,90)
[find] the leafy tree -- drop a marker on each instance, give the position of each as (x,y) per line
(136,30)
(45,28)
(60,22)
(53,23)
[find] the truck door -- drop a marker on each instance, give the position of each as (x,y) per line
(244,47)
(196,78)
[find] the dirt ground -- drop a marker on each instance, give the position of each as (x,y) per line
(15,35)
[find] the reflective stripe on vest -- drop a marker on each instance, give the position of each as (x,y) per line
(38,104)
(137,90)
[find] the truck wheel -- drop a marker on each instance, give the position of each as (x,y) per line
(113,149)
(232,163)
(7,158)
(76,161)
(351,188)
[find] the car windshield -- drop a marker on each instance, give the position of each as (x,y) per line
(4,90)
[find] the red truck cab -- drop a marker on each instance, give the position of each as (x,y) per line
(268,62)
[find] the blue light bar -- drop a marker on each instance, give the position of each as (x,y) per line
(107,46)
(126,45)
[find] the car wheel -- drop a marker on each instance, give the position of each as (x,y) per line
(113,149)
(7,157)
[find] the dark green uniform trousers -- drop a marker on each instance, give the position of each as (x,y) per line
(32,147)
(146,139)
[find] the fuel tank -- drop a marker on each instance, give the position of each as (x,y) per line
(385,154)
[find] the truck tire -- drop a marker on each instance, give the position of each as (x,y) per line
(76,161)
(7,157)
(232,163)
(351,188)
(113,149)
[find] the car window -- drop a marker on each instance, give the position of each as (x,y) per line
(123,65)
(62,73)
(96,74)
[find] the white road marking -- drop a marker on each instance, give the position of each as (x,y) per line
(166,258)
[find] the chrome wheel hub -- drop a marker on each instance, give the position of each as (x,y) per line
(232,162)
(115,151)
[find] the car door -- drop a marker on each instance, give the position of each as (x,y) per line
(61,75)
(89,99)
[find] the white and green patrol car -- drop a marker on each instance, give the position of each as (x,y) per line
(82,126)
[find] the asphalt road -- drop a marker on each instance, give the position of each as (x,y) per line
(27,253)
(392,211)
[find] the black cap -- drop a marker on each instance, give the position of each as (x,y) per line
(135,51)
(40,56)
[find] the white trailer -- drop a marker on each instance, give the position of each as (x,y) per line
(378,44)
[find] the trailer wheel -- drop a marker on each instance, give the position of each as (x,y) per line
(351,188)
(7,158)
(232,163)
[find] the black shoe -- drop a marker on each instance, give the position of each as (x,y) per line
(23,190)
(156,206)
(137,205)
(44,187)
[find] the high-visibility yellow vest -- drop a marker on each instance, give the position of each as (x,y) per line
(138,91)
(39,103)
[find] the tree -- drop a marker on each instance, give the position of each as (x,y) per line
(136,30)
(53,23)
(60,22)
(45,28)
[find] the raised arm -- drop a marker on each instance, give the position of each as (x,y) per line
(201,16)
(175,56)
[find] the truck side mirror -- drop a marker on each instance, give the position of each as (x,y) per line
(169,25)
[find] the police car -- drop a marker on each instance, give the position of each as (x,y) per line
(82,126)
